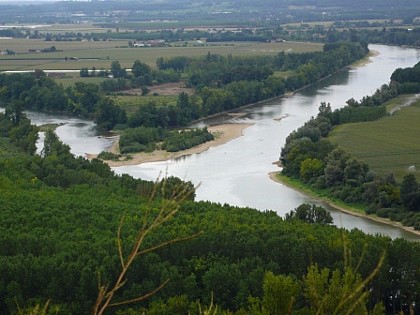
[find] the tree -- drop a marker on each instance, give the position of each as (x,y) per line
(409,192)
(107,114)
(337,292)
(186,108)
(140,69)
(310,214)
(311,168)
(355,172)
(325,109)
(53,146)
(84,72)
(14,112)
(280,293)
(342,291)
(22,133)
(335,163)
(116,69)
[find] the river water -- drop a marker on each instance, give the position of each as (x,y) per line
(237,172)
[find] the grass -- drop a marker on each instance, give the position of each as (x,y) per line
(388,145)
(130,103)
(101,54)
(72,78)
(320,194)
(396,102)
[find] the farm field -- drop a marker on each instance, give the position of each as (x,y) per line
(388,145)
(100,54)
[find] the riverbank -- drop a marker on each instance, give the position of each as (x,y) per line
(365,60)
(223,133)
(346,209)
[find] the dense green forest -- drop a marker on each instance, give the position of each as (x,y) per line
(310,157)
(60,229)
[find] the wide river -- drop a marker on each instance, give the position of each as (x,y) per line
(237,172)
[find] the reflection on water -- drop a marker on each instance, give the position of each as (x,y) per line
(339,78)
(81,135)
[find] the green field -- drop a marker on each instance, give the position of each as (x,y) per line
(388,145)
(100,54)
(71,78)
(131,103)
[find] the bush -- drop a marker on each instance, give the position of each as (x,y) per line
(384,212)
(186,139)
(104,155)
(134,147)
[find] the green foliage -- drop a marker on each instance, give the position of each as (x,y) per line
(114,85)
(410,194)
(45,309)
(146,139)
(61,216)
(223,83)
(104,155)
(116,70)
(186,139)
(357,114)
(335,292)
(140,69)
(411,74)
(311,168)
(310,214)
(107,114)
(345,177)
(140,139)
(18,128)
(280,293)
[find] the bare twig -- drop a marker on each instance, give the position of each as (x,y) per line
(169,207)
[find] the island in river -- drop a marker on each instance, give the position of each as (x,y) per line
(223,133)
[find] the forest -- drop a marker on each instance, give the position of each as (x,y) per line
(68,225)
(309,156)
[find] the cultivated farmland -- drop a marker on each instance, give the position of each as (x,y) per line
(100,54)
(388,145)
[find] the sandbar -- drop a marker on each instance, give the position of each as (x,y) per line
(223,133)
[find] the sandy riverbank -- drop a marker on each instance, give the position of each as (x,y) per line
(366,60)
(274,177)
(223,133)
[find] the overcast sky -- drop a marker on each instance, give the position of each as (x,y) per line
(27,1)
(20,1)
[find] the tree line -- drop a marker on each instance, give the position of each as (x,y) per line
(225,83)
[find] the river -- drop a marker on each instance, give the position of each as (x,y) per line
(237,172)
